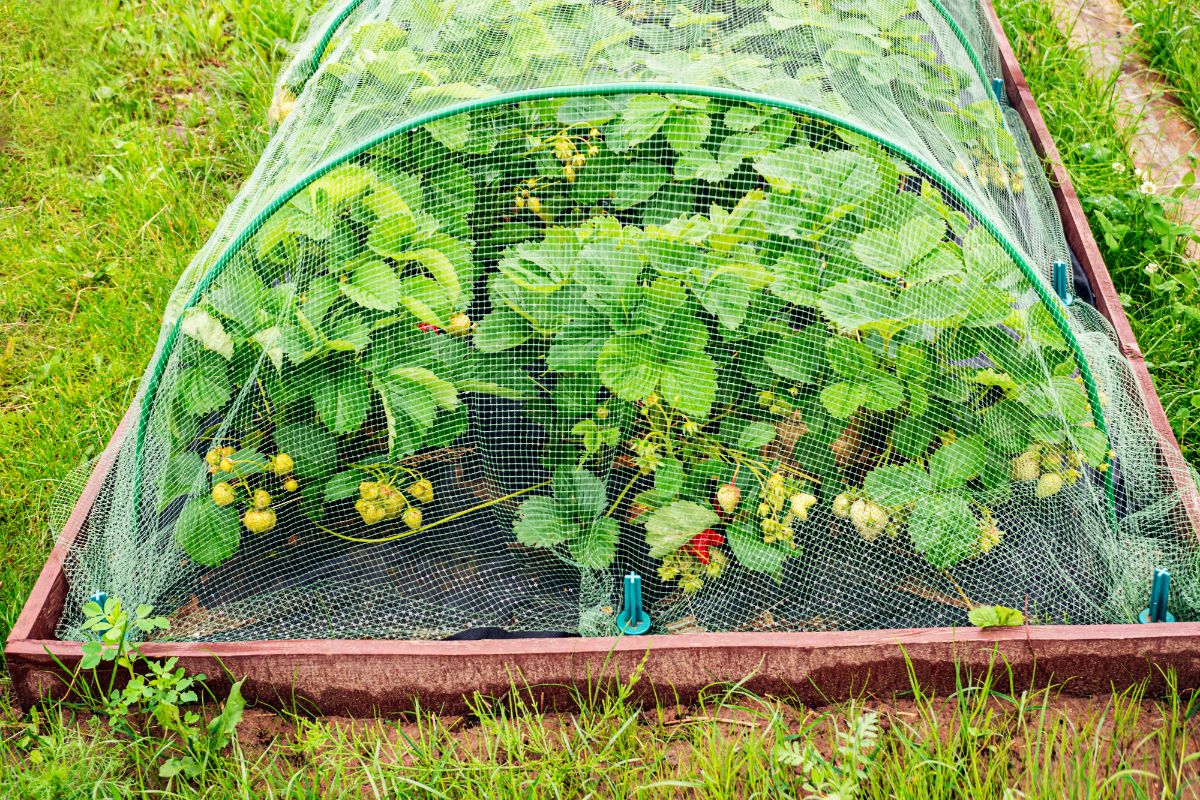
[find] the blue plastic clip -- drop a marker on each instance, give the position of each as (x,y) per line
(1160,591)
(633,619)
(99,598)
(998,89)
(1060,283)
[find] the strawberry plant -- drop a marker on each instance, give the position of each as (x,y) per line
(717,331)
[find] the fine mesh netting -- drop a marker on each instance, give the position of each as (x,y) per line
(753,299)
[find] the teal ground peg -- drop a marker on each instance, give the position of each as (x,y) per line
(99,598)
(1061,287)
(998,89)
(1160,592)
(633,619)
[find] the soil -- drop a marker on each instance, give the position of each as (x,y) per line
(1164,138)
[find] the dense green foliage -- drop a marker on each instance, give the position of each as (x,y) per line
(709,326)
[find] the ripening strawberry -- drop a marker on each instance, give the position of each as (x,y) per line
(868,518)
(801,502)
(282,464)
(1048,485)
(222,494)
(728,497)
(371,511)
(422,490)
(1025,467)
(412,517)
(701,542)
(259,520)
(841,506)
(459,325)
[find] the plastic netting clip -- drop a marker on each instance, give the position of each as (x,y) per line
(633,619)
(1061,287)
(99,598)
(998,89)
(1160,591)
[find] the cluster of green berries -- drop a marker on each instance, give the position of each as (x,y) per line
(990,534)
(524,197)
(573,151)
(1051,466)
(688,571)
(379,501)
(782,505)
(260,517)
(868,518)
(989,171)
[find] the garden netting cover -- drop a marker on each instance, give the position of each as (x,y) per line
(755,299)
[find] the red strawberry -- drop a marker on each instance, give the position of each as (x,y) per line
(428,327)
(700,543)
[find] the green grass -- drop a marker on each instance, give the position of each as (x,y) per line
(1169,38)
(1159,286)
(991,738)
(125,129)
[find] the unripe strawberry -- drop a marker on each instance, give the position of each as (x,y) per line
(392,501)
(1048,485)
(459,325)
(291,485)
(222,494)
(228,450)
(259,520)
(368,490)
(868,518)
(1052,461)
(226,465)
(841,506)
(728,497)
(213,457)
(262,499)
(371,511)
(989,538)
(422,490)
(1026,467)
(801,502)
(412,517)
(282,464)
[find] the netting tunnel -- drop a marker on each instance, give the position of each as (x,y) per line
(757,300)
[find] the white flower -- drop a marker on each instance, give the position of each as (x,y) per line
(1140,173)
(1151,268)
(1118,167)
(1147,187)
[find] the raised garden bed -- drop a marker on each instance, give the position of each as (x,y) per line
(339,676)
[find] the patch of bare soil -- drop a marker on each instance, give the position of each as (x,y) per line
(1164,138)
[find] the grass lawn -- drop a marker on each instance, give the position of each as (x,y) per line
(125,128)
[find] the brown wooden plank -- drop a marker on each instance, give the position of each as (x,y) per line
(367,677)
